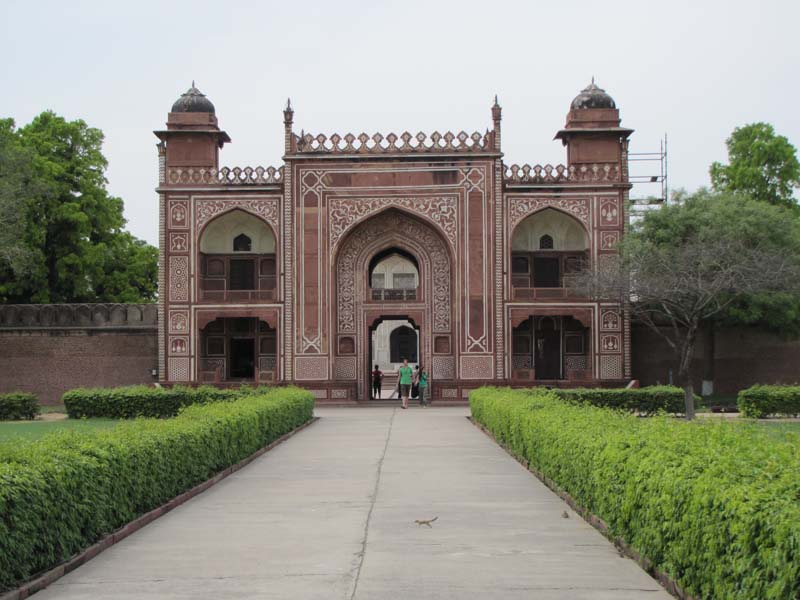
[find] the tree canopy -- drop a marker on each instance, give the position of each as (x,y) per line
(693,260)
(761,164)
(65,240)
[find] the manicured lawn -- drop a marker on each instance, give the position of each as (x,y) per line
(29,430)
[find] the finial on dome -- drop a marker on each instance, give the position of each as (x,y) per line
(496,103)
(592,96)
(288,104)
(193,100)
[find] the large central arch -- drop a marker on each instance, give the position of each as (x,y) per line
(354,311)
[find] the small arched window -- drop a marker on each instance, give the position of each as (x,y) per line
(242,243)
(403,344)
(546,242)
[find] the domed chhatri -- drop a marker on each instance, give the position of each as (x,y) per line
(593,96)
(193,101)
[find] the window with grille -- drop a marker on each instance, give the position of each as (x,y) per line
(546,242)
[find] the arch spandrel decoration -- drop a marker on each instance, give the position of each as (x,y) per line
(384,230)
(521,208)
(347,213)
(207,209)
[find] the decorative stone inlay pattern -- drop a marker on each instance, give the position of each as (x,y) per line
(178,321)
(609,212)
(609,320)
(594,173)
(477,367)
(311,368)
(266,208)
(319,394)
(610,342)
(178,242)
(450,393)
(522,207)
(179,214)
(383,225)
(444,367)
(346,212)
(179,346)
(609,240)
(178,369)
(611,366)
(340,394)
(178,278)
(344,367)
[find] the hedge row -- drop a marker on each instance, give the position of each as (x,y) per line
(714,504)
(18,405)
(647,400)
(761,401)
(67,490)
(141,400)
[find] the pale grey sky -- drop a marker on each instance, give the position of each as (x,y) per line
(693,69)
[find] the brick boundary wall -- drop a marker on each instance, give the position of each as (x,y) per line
(48,349)
(743,356)
(51,348)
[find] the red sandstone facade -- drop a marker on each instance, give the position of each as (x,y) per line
(492,306)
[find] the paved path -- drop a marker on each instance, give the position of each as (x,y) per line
(330,514)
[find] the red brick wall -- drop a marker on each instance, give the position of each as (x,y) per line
(50,362)
(743,357)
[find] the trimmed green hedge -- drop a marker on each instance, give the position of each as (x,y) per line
(714,504)
(18,405)
(646,400)
(64,492)
(761,401)
(141,400)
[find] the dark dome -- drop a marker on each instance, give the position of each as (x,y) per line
(593,97)
(193,101)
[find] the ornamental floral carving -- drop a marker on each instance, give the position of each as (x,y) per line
(520,208)
(345,212)
(387,226)
(207,209)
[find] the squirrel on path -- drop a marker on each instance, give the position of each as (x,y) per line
(426,521)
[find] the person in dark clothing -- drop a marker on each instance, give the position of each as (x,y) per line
(377,380)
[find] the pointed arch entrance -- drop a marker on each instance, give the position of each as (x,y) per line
(426,299)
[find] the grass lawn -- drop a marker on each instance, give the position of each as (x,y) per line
(779,429)
(30,430)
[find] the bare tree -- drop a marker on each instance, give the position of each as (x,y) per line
(684,284)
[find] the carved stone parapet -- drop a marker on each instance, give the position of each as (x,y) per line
(393,144)
(83,316)
(225,176)
(594,173)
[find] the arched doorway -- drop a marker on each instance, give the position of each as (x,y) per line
(238,349)
(237,259)
(392,264)
(546,248)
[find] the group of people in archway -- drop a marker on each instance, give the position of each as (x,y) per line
(412,383)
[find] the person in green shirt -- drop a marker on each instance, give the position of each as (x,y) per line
(422,382)
(405,381)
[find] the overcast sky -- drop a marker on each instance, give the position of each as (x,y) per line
(691,69)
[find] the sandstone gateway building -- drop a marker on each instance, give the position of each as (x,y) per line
(428,246)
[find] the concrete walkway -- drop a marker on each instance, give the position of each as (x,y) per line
(330,514)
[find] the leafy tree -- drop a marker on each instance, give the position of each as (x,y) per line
(764,166)
(690,262)
(70,228)
(761,164)
(16,190)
